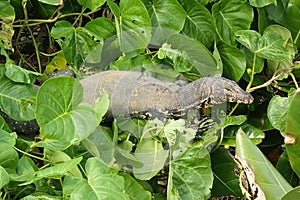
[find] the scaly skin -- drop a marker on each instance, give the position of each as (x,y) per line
(134,93)
(138,95)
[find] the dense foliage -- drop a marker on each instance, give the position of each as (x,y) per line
(251,151)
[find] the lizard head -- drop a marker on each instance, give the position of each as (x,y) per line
(224,90)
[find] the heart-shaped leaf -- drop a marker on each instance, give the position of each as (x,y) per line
(61,114)
(132,23)
(190,175)
(232,16)
(167,18)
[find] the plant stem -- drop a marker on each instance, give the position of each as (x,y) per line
(252,73)
(294,80)
(297,37)
(233,109)
(24,2)
(269,82)
(30,155)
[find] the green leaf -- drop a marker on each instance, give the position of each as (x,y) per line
(20,75)
(8,139)
(270,45)
(8,157)
(285,169)
(4,177)
(100,145)
(263,178)
(133,189)
(11,96)
(100,184)
(262,3)
(3,125)
(274,66)
(124,155)
(132,23)
(55,157)
(292,133)
(190,175)
(93,5)
(102,106)
(58,170)
(234,61)
(256,135)
(61,114)
(187,53)
(224,183)
(26,170)
(292,21)
(95,28)
(234,120)
(293,194)
(277,111)
(199,23)
(77,44)
(167,18)
(153,157)
(230,17)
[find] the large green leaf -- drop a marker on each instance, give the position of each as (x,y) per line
(62,115)
(284,167)
(187,53)
(8,155)
(100,145)
(26,170)
(58,170)
(153,157)
(277,111)
(133,24)
(256,135)
(76,43)
(190,175)
(265,181)
(232,16)
(95,28)
(100,183)
(134,190)
(292,21)
(167,18)
(293,194)
(199,23)
(273,66)
(11,96)
(234,61)
(224,183)
(4,177)
(292,133)
(19,74)
(270,45)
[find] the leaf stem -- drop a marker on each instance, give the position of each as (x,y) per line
(233,109)
(294,80)
(30,155)
(24,2)
(269,82)
(297,37)
(252,73)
